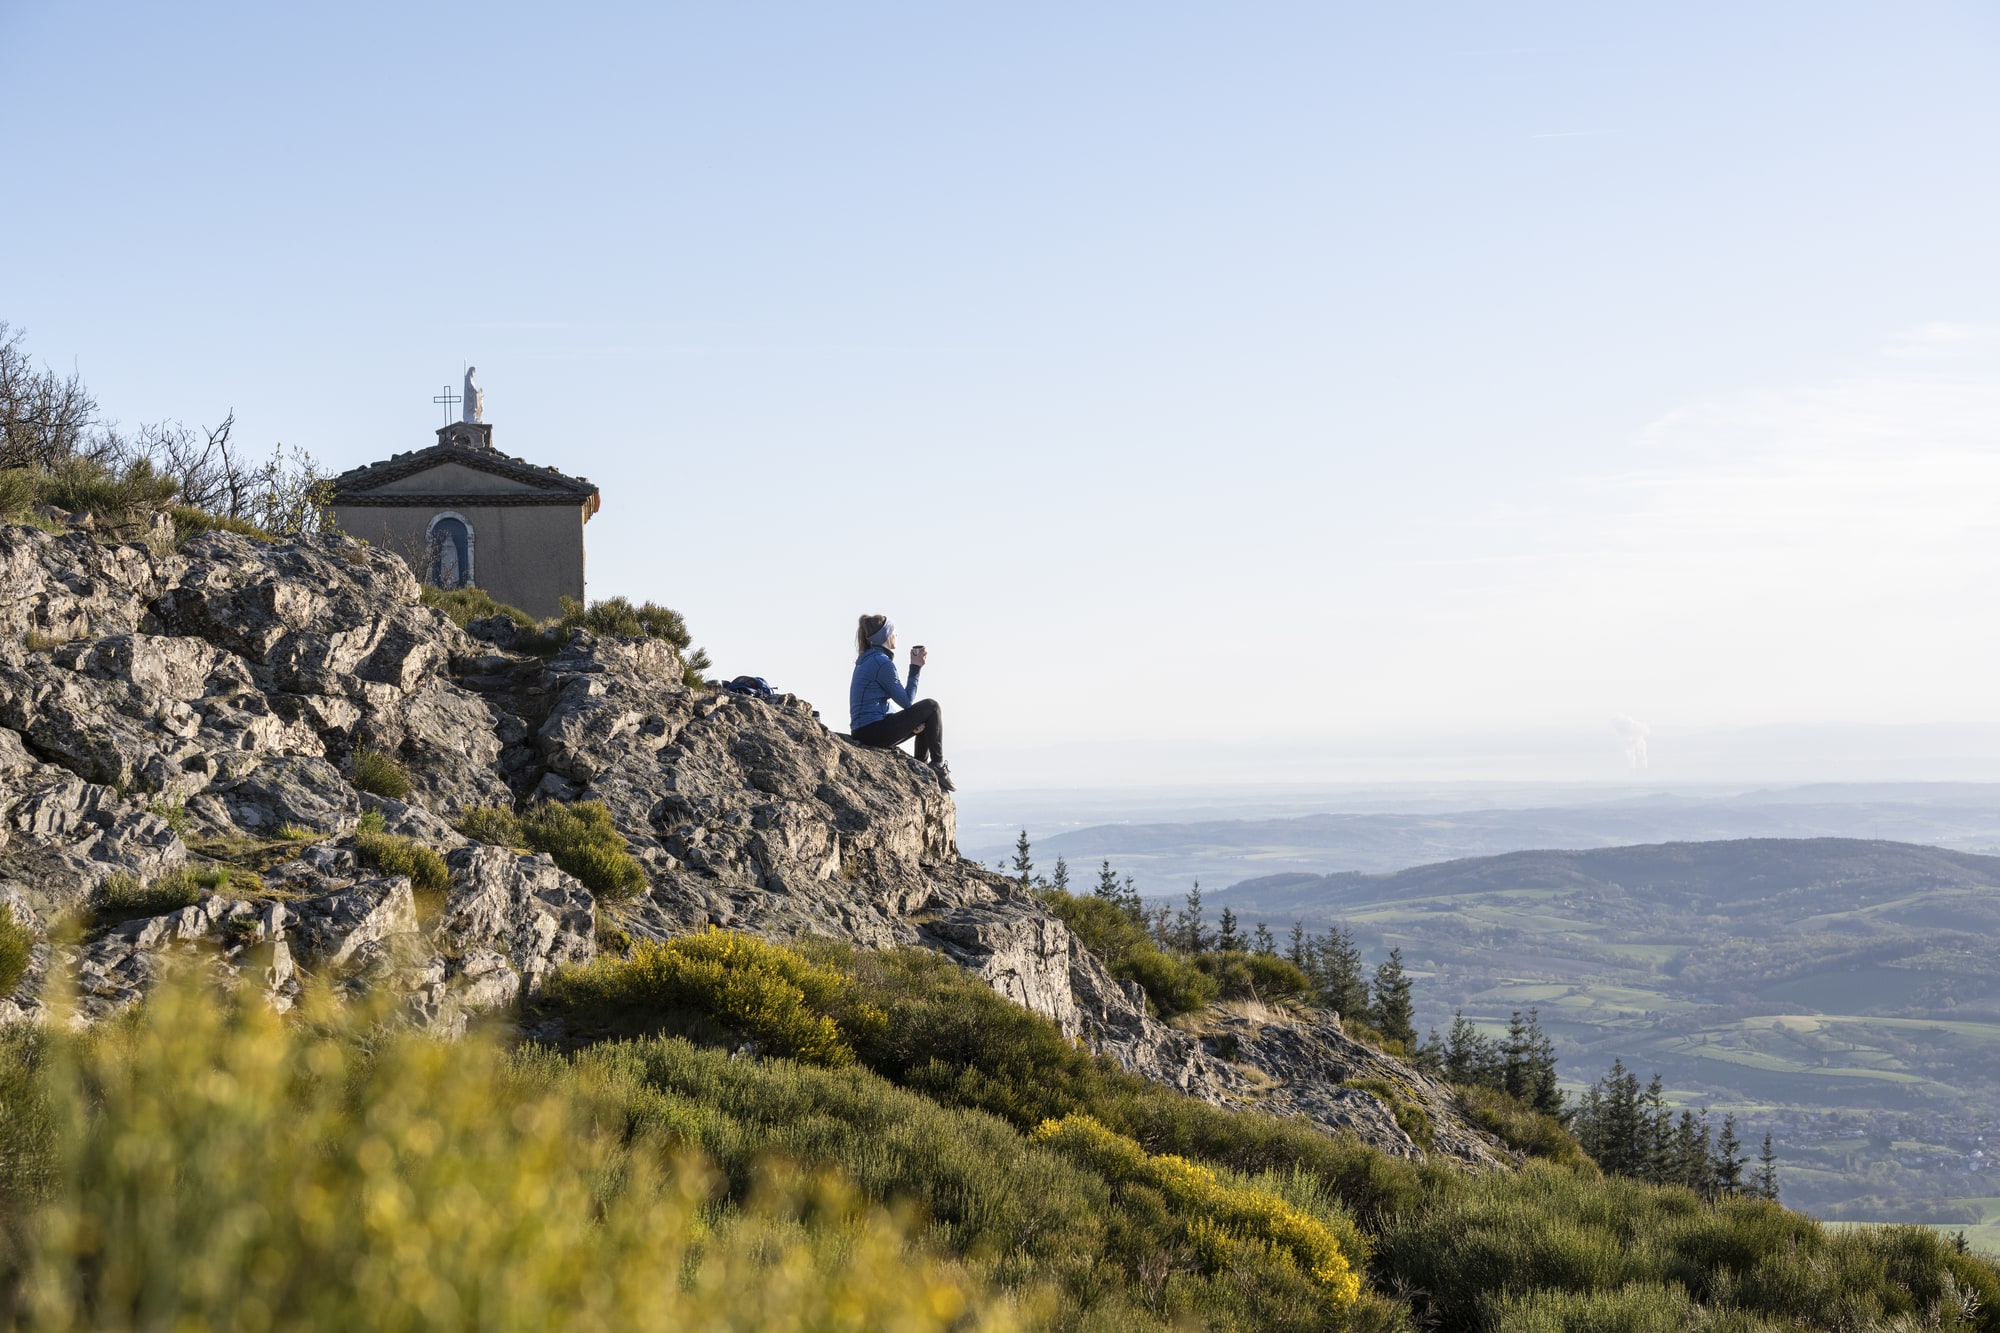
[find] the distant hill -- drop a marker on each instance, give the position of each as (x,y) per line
(1164,854)
(1789,978)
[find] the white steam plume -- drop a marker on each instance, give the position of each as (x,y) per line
(1632,735)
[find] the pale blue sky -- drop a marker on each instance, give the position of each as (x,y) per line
(1343,384)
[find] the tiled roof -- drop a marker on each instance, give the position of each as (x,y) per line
(357,487)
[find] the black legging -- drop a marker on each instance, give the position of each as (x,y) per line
(899,727)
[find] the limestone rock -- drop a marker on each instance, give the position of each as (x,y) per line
(354,925)
(538,917)
(221,693)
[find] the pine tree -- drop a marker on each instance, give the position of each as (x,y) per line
(1059,881)
(1689,1156)
(1190,931)
(1158,922)
(1391,1010)
(1544,1094)
(1024,865)
(1514,1053)
(1128,898)
(1430,1055)
(1621,1133)
(1226,938)
(1339,973)
(1107,883)
(1767,1170)
(1729,1159)
(1296,954)
(1469,1056)
(1656,1135)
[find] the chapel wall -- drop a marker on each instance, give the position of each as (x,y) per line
(530,556)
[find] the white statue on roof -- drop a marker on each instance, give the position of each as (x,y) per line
(475,397)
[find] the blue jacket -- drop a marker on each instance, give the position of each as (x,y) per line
(875,684)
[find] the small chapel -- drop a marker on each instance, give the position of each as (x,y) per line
(466,515)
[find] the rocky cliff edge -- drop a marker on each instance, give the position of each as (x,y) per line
(168,711)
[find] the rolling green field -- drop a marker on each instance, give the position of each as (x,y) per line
(1844,995)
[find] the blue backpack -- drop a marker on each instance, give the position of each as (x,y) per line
(754,686)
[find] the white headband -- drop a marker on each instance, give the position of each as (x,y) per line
(881,636)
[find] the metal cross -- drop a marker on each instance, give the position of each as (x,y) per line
(450,400)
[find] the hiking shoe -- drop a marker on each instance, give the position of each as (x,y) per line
(943,771)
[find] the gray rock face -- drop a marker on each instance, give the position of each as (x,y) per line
(221,693)
(537,917)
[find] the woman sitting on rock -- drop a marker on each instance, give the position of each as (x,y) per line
(876,685)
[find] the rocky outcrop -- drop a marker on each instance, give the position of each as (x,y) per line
(160,709)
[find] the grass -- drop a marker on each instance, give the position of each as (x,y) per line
(465,605)
(127,898)
(379,775)
(210,1165)
(581,838)
(493,826)
(16,945)
(393,854)
(1521,1127)
(192,522)
(617,615)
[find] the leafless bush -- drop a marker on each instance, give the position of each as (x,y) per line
(49,424)
(45,419)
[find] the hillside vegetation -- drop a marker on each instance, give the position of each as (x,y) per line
(1844,994)
(405,1183)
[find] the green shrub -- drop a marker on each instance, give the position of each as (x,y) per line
(617,615)
(1252,976)
(393,854)
(126,898)
(1025,1215)
(1521,1127)
(1173,985)
(465,605)
(379,775)
(16,945)
(109,494)
(1225,1218)
(492,825)
(175,812)
(192,522)
(582,840)
(763,991)
(210,1165)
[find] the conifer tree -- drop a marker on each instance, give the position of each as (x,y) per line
(1263,942)
(1336,968)
(1729,1159)
(1391,1010)
(1469,1056)
(1226,938)
(1656,1135)
(1296,954)
(1107,883)
(1689,1157)
(1059,881)
(1190,931)
(1767,1170)
(1024,865)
